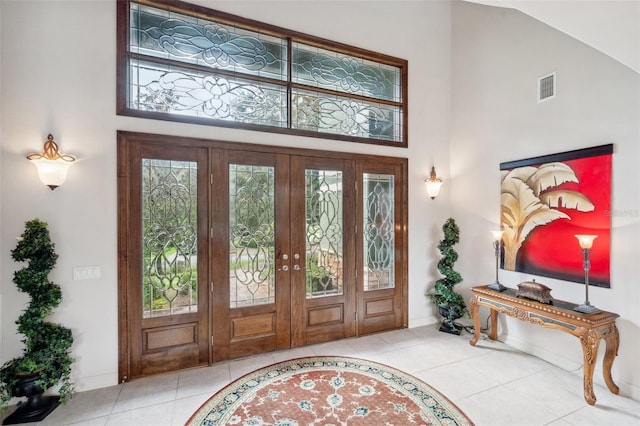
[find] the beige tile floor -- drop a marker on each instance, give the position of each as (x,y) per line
(492,383)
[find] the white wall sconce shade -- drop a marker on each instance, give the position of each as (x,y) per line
(433,183)
(52,166)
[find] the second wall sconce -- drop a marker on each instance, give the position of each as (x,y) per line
(433,184)
(52,166)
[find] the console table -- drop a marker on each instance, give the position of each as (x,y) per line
(590,329)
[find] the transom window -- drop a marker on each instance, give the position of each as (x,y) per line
(182,62)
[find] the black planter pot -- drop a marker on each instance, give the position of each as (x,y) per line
(36,407)
(449,315)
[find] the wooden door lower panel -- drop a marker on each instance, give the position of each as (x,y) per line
(321,323)
(321,320)
(169,346)
(170,359)
(379,311)
(253,335)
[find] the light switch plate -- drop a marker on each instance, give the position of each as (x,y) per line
(87,273)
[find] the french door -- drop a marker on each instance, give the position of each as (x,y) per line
(254,249)
(284,240)
(381,246)
(250,235)
(163,306)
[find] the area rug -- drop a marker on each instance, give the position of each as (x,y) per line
(328,391)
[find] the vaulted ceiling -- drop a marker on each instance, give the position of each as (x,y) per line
(611,26)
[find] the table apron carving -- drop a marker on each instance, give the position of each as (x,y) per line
(590,329)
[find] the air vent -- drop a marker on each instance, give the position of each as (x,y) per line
(547,87)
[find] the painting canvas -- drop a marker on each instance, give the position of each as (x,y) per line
(545,201)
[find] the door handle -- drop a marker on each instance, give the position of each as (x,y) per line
(296,267)
(284,268)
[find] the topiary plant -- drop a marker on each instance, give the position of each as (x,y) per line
(450,304)
(46,355)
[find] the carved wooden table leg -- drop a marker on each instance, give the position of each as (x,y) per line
(494,325)
(590,341)
(612,341)
(473,308)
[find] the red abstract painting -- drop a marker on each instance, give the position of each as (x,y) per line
(547,200)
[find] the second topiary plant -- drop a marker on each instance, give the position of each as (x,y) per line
(451,305)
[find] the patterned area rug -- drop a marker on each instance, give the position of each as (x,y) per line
(328,391)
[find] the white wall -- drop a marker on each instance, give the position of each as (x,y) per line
(497,56)
(58,76)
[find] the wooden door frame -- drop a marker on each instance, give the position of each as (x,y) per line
(127,139)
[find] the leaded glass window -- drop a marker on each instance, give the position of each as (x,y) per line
(324,222)
(379,231)
(187,63)
(251,235)
(169,249)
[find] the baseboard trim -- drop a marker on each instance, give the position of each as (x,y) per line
(96,382)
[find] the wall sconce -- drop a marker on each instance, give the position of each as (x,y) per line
(497,242)
(52,166)
(586,242)
(433,184)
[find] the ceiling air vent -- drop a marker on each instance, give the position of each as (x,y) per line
(547,87)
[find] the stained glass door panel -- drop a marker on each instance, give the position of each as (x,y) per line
(251,235)
(378,225)
(324,233)
(170,239)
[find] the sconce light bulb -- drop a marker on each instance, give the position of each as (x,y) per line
(497,235)
(586,241)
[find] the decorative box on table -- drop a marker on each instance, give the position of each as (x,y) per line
(535,291)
